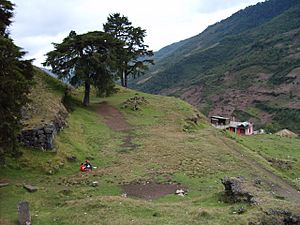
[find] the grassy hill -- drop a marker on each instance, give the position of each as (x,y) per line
(45,100)
(245,66)
(159,145)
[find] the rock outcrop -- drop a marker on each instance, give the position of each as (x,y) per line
(236,190)
(42,137)
(278,217)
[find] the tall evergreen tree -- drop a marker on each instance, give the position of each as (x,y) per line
(15,82)
(135,56)
(86,59)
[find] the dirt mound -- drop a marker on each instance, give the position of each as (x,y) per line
(150,191)
(286,133)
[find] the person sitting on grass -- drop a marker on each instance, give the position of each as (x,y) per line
(82,167)
(88,165)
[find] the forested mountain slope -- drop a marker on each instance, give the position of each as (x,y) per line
(246,66)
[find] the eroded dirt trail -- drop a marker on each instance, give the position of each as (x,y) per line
(115,120)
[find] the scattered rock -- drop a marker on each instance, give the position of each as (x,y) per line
(292,220)
(95,183)
(23,213)
(30,188)
(3,184)
(241,210)
(72,158)
(281,164)
(66,191)
(156,214)
(235,190)
(280,217)
(134,102)
(257,181)
(180,192)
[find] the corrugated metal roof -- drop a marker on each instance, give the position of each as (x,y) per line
(219,117)
(239,124)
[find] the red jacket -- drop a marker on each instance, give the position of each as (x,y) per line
(82,167)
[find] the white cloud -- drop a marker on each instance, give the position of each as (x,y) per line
(38,23)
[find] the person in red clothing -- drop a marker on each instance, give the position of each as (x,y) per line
(82,167)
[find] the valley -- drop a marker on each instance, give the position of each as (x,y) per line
(153,145)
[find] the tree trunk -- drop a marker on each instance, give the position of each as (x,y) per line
(87,88)
(125,78)
(125,83)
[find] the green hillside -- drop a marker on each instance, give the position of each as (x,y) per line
(45,100)
(246,66)
(157,144)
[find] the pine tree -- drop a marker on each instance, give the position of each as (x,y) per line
(86,59)
(135,56)
(15,82)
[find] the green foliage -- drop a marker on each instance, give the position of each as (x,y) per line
(6,13)
(15,81)
(86,59)
(284,117)
(134,56)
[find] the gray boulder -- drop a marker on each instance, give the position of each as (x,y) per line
(30,188)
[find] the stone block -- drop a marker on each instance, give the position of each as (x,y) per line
(23,213)
(30,188)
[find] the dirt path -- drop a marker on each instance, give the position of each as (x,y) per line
(115,120)
(279,186)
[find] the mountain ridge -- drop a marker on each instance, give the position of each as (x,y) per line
(238,56)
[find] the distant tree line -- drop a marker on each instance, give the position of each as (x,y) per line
(100,58)
(15,82)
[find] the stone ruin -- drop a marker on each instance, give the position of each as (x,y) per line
(23,213)
(42,137)
(236,190)
(134,102)
(278,217)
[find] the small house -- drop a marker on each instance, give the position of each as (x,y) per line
(242,128)
(219,121)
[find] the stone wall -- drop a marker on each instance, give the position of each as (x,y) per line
(42,137)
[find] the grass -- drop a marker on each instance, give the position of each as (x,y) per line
(197,158)
(283,152)
(45,99)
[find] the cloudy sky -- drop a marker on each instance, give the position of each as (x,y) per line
(38,23)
